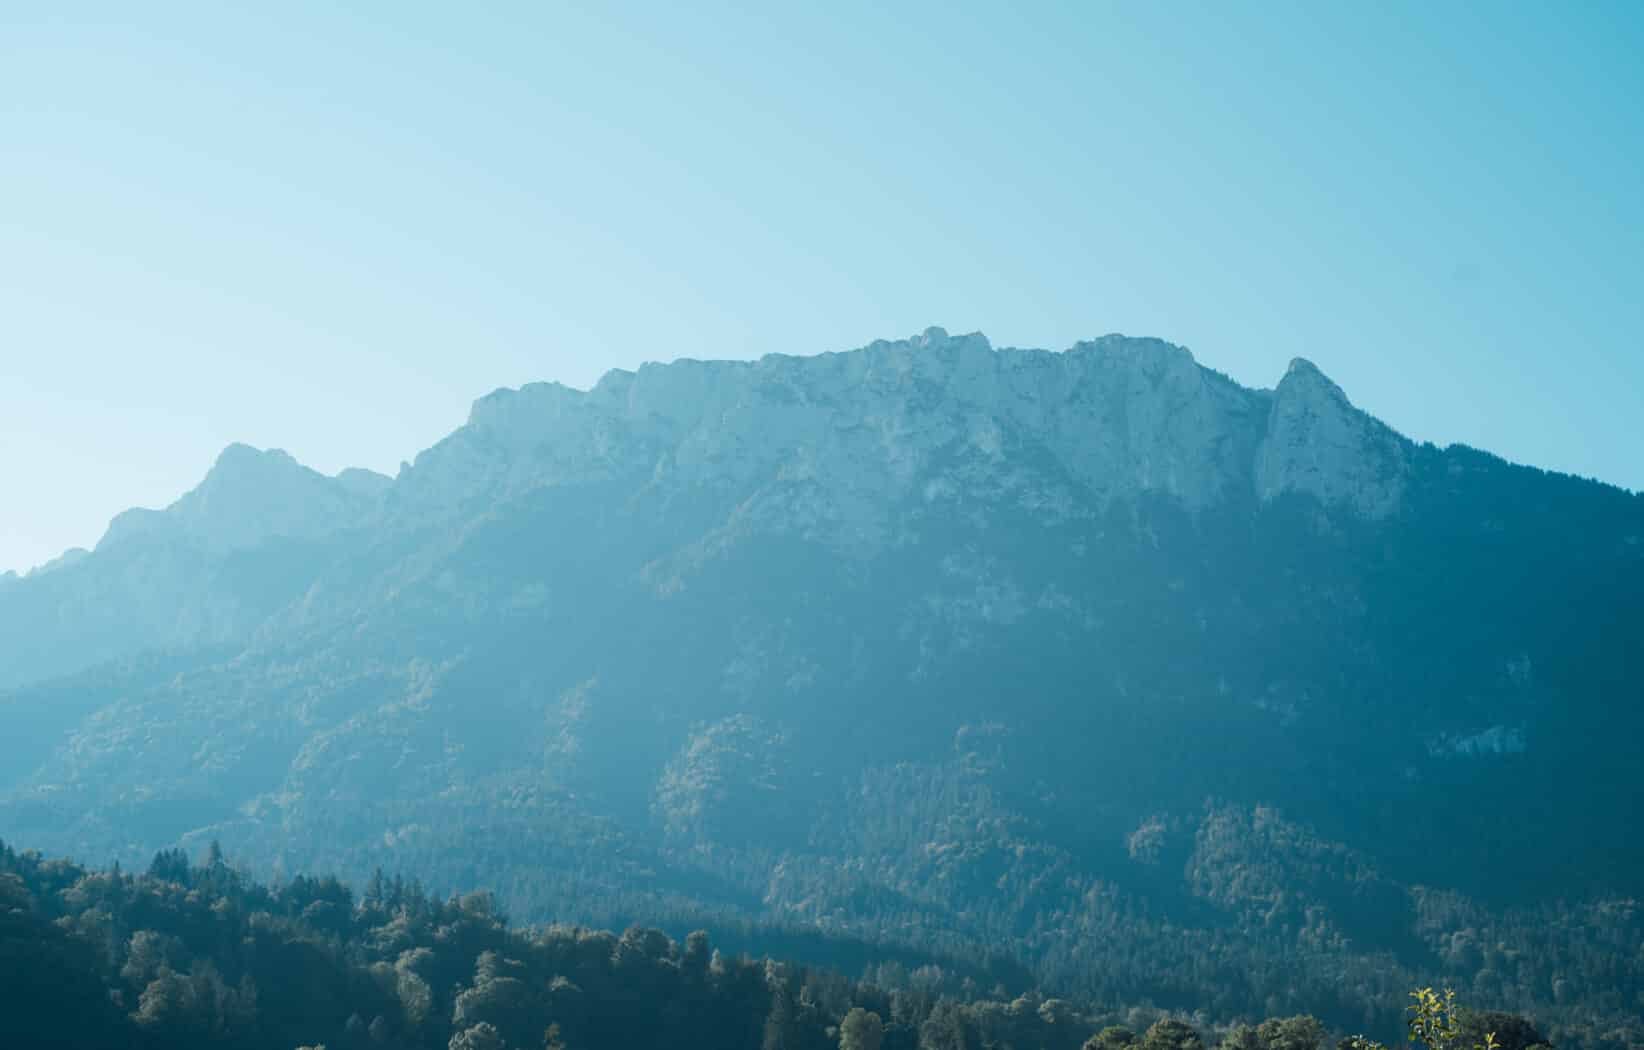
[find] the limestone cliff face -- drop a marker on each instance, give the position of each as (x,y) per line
(843,439)
(1318,443)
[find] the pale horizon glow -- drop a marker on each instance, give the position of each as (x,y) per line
(329,231)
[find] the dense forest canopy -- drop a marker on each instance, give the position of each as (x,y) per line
(192,956)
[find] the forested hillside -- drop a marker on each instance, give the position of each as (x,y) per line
(1092,667)
(198,956)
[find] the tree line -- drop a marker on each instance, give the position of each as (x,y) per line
(197,955)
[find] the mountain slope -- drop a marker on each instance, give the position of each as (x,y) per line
(925,642)
(183,576)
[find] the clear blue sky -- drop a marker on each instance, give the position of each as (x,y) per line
(329,230)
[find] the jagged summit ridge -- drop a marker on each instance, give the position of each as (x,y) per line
(863,429)
(1120,416)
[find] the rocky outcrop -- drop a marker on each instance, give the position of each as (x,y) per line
(1319,444)
(251,496)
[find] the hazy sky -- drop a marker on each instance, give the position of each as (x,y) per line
(329,231)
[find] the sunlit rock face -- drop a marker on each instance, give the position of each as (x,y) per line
(862,431)
(1318,443)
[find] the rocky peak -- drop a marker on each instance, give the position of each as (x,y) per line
(1304,377)
(251,495)
(1318,443)
(935,335)
(239,458)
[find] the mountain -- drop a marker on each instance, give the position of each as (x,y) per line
(1152,682)
(209,568)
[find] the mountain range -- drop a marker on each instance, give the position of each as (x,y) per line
(1095,662)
